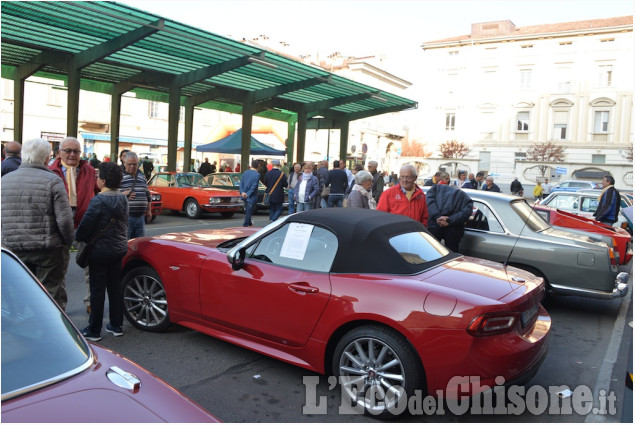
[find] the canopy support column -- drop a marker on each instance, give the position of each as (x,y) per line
(343,140)
(245,143)
(189,128)
(173,127)
(21,74)
(72,112)
(302,118)
(290,140)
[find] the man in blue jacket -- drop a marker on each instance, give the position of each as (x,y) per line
(249,191)
(609,207)
(448,209)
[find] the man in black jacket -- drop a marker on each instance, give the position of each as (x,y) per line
(448,209)
(609,207)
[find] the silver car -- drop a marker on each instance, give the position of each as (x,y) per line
(506,229)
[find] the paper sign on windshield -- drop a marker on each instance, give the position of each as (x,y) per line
(296,241)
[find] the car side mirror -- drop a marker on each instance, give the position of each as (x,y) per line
(238,260)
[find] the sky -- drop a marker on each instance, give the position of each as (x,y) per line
(369,27)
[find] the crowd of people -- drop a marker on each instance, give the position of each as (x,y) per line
(51,204)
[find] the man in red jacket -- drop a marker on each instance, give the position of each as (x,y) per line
(80,180)
(405,198)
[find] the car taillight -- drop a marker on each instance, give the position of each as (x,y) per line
(614,255)
(492,323)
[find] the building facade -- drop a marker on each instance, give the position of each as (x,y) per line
(503,89)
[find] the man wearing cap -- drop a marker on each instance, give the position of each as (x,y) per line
(276,181)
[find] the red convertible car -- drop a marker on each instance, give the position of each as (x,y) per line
(368,296)
(191,193)
(573,222)
(50,373)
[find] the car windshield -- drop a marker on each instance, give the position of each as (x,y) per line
(39,344)
(418,247)
(195,179)
(529,215)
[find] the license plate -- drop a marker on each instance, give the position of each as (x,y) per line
(528,316)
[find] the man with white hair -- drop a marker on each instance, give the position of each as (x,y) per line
(405,198)
(37,220)
(378,180)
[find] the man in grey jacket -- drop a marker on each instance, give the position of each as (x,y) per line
(37,220)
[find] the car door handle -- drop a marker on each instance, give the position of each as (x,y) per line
(303,287)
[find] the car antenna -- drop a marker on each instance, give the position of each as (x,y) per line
(519,234)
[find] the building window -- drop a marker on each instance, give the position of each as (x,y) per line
(153,109)
(605,75)
(453,53)
(566,43)
(525,78)
(598,159)
(522,122)
(563,79)
(607,40)
(520,156)
(527,46)
(560,122)
(449,121)
(601,122)
(56,95)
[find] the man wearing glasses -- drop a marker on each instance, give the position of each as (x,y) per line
(405,198)
(80,180)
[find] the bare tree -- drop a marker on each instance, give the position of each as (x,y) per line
(454,149)
(414,148)
(628,154)
(545,152)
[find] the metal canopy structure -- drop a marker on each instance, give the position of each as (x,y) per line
(113,48)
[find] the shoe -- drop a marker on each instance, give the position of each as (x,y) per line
(90,336)
(115,330)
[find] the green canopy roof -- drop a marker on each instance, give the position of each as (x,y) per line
(118,45)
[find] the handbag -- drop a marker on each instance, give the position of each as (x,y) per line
(265,198)
(85,248)
(326,191)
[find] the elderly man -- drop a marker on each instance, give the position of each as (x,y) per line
(37,221)
(608,210)
(276,181)
(378,180)
(80,181)
(134,186)
(490,186)
(449,208)
(12,157)
(405,198)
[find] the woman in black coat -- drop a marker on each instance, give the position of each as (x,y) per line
(108,208)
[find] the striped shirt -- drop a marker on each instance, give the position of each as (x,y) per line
(138,205)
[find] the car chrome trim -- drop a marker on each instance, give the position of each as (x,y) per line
(123,379)
(620,290)
(54,380)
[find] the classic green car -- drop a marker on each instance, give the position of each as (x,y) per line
(506,229)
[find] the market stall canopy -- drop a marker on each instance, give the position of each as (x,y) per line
(232,144)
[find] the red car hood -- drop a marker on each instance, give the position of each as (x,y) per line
(480,277)
(90,396)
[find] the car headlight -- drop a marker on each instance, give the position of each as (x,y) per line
(235,199)
(156,197)
(214,200)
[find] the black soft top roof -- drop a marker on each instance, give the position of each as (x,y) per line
(363,237)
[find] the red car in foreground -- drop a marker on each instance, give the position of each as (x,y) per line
(50,373)
(365,295)
(621,238)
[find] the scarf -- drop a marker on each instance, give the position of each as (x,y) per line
(307,176)
(603,190)
(372,204)
(71,176)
